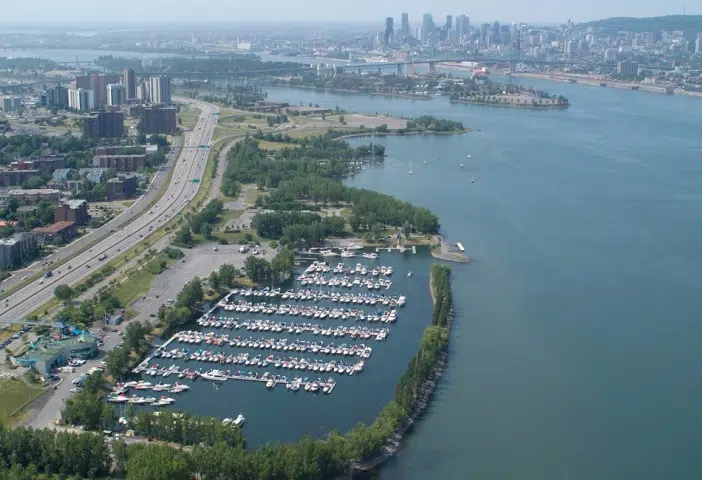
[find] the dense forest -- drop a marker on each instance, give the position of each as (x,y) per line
(310,175)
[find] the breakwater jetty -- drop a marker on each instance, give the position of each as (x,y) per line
(444,251)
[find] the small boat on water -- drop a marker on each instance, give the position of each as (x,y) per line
(472,180)
(409,274)
(461,165)
(239,421)
(270,383)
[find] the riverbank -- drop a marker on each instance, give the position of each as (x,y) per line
(409,96)
(603,82)
(510,101)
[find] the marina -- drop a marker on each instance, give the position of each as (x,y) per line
(258,343)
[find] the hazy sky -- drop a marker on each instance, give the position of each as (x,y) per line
(153,11)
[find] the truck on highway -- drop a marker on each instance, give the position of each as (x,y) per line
(48,274)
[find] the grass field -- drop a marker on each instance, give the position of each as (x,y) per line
(14,394)
(222,132)
(139,283)
(266,145)
(188,116)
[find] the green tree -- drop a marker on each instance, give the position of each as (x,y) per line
(64,292)
(213,281)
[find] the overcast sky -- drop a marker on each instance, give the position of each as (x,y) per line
(157,11)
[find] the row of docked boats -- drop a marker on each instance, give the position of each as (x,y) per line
(359,269)
(346,254)
(291,363)
(318,295)
(365,333)
(135,399)
(345,281)
(305,383)
(124,387)
(301,346)
(313,312)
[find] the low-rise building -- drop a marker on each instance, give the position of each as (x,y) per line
(9,178)
(121,187)
(59,232)
(17,249)
(95,175)
(72,211)
(45,162)
(34,195)
(47,354)
(121,163)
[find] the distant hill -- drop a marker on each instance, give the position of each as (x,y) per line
(632,24)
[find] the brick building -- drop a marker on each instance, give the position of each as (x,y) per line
(72,211)
(59,232)
(121,187)
(9,178)
(103,125)
(122,163)
(158,120)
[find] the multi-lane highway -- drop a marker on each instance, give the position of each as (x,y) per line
(189,166)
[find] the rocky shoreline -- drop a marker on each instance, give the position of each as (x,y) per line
(395,440)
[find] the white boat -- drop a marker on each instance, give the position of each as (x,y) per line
(461,165)
(353,246)
(468,156)
(227,421)
(472,180)
(214,375)
(370,256)
(348,254)
(409,274)
(410,169)
(240,419)
(270,383)
(118,399)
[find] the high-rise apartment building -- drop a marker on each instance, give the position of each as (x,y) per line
(103,125)
(57,97)
(116,95)
(129,82)
(160,89)
(158,120)
(80,99)
(98,84)
(449,22)
(389,29)
(698,46)
(405,28)
(628,69)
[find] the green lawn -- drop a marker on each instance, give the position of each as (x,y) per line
(236,238)
(13,393)
(221,132)
(226,216)
(188,116)
(139,283)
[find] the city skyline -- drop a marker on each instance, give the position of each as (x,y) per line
(220,11)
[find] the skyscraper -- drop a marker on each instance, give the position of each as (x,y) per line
(405,28)
(387,37)
(80,99)
(449,22)
(129,83)
(427,26)
(160,89)
(698,46)
(462,25)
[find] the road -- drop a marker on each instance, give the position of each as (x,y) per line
(190,165)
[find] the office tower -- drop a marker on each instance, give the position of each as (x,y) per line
(449,22)
(496,32)
(160,89)
(80,99)
(427,26)
(116,95)
(452,36)
(698,46)
(387,37)
(462,25)
(484,29)
(129,82)
(405,28)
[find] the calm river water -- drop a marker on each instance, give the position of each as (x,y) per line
(577,345)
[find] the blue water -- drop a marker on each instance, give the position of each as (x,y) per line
(577,345)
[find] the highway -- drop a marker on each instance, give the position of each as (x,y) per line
(190,165)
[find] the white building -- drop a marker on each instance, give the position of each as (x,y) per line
(116,94)
(81,99)
(160,89)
